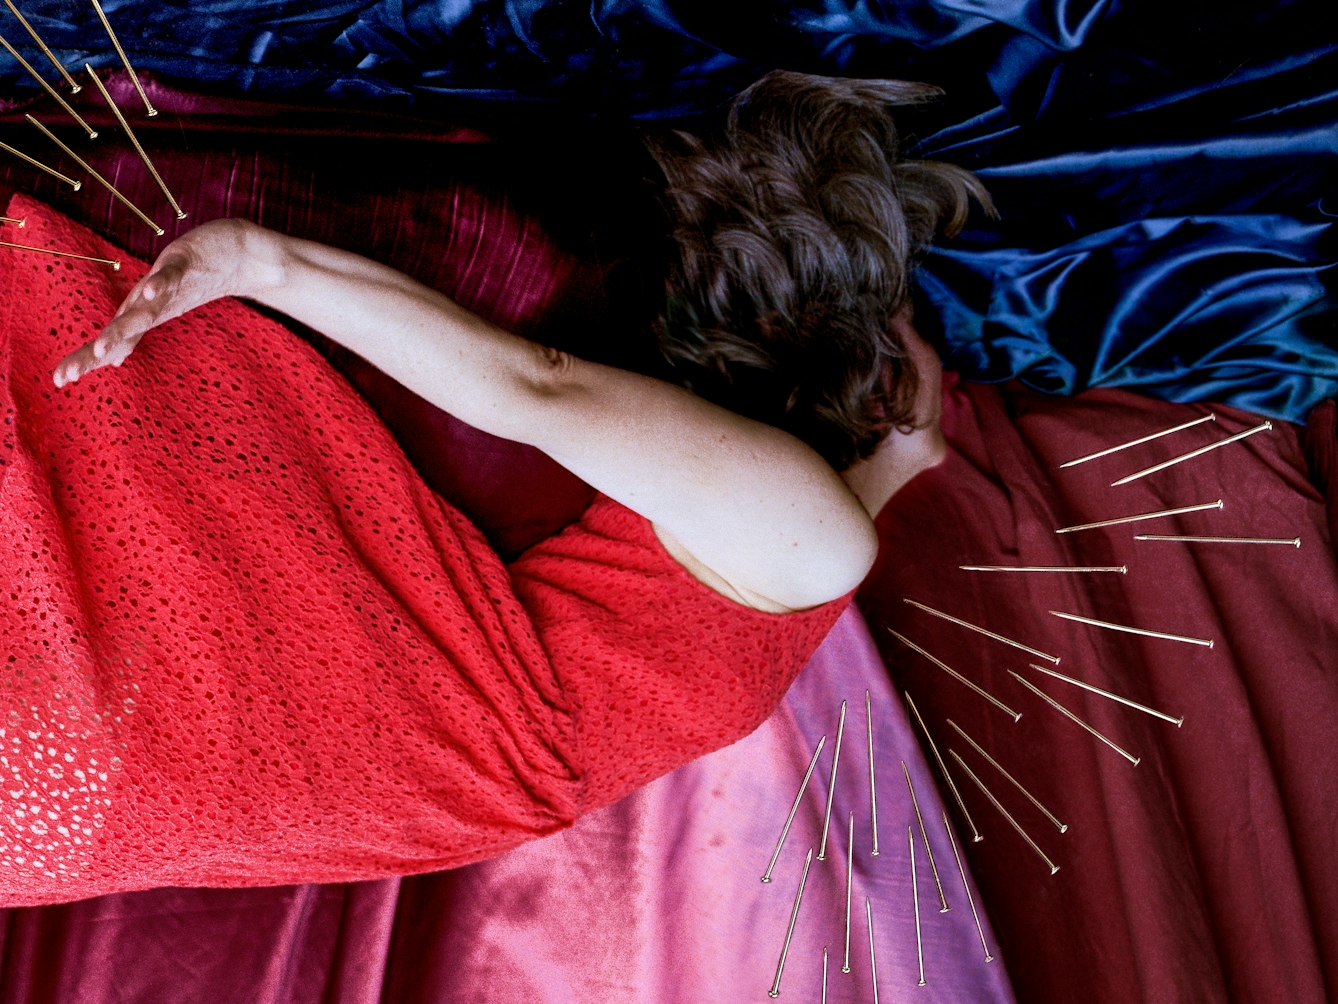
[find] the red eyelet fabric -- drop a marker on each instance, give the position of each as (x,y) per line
(243,644)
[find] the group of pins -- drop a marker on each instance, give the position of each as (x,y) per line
(850,860)
(1000,705)
(75,88)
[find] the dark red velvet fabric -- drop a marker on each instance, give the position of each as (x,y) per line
(1208,871)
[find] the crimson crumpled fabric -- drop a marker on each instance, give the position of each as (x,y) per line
(246,645)
(1209,871)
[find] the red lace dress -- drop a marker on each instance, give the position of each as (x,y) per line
(243,644)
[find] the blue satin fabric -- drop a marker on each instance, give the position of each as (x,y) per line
(1164,172)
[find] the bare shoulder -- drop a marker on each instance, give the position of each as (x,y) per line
(708,577)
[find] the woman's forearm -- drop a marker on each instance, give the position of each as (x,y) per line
(483,375)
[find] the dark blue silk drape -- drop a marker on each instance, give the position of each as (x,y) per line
(1165,172)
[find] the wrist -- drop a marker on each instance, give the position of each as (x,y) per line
(265,262)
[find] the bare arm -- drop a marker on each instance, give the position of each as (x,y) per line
(749,509)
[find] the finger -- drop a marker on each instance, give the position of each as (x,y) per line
(130,325)
(113,345)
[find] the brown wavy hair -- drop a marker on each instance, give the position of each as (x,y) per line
(796,230)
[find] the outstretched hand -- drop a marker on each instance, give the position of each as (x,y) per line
(211,261)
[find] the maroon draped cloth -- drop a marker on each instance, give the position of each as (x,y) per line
(1209,871)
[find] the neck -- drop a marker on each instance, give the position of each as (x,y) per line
(899,458)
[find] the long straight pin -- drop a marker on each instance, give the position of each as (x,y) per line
(181,213)
(1141,516)
(873,787)
(18,223)
(1210,417)
(124,62)
(1293,541)
(794,915)
(980,630)
(1062,827)
(76,185)
(824,976)
(915,803)
(873,955)
(1264,426)
(785,831)
(1205,642)
(1121,569)
(1177,722)
(116,265)
(956,675)
(943,768)
(1135,760)
(92,133)
(1004,812)
(97,177)
(74,86)
(915,899)
(831,786)
(850,873)
(967,886)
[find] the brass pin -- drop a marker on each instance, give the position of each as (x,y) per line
(181,213)
(873,955)
(1210,417)
(18,223)
(1293,541)
(1135,760)
(1140,516)
(956,675)
(824,975)
(1177,722)
(785,832)
(125,62)
(1062,827)
(76,185)
(873,787)
(915,898)
(980,630)
(967,886)
(933,868)
(943,769)
(1004,812)
(74,87)
(1122,569)
(92,133)
(116,265)
(1264,426)
(831,786)
(850,873)
(1126,629)
(794,915)
(97,177)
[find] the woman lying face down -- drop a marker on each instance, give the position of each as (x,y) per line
(315,590)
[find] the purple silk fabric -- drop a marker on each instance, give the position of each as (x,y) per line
(654,898)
